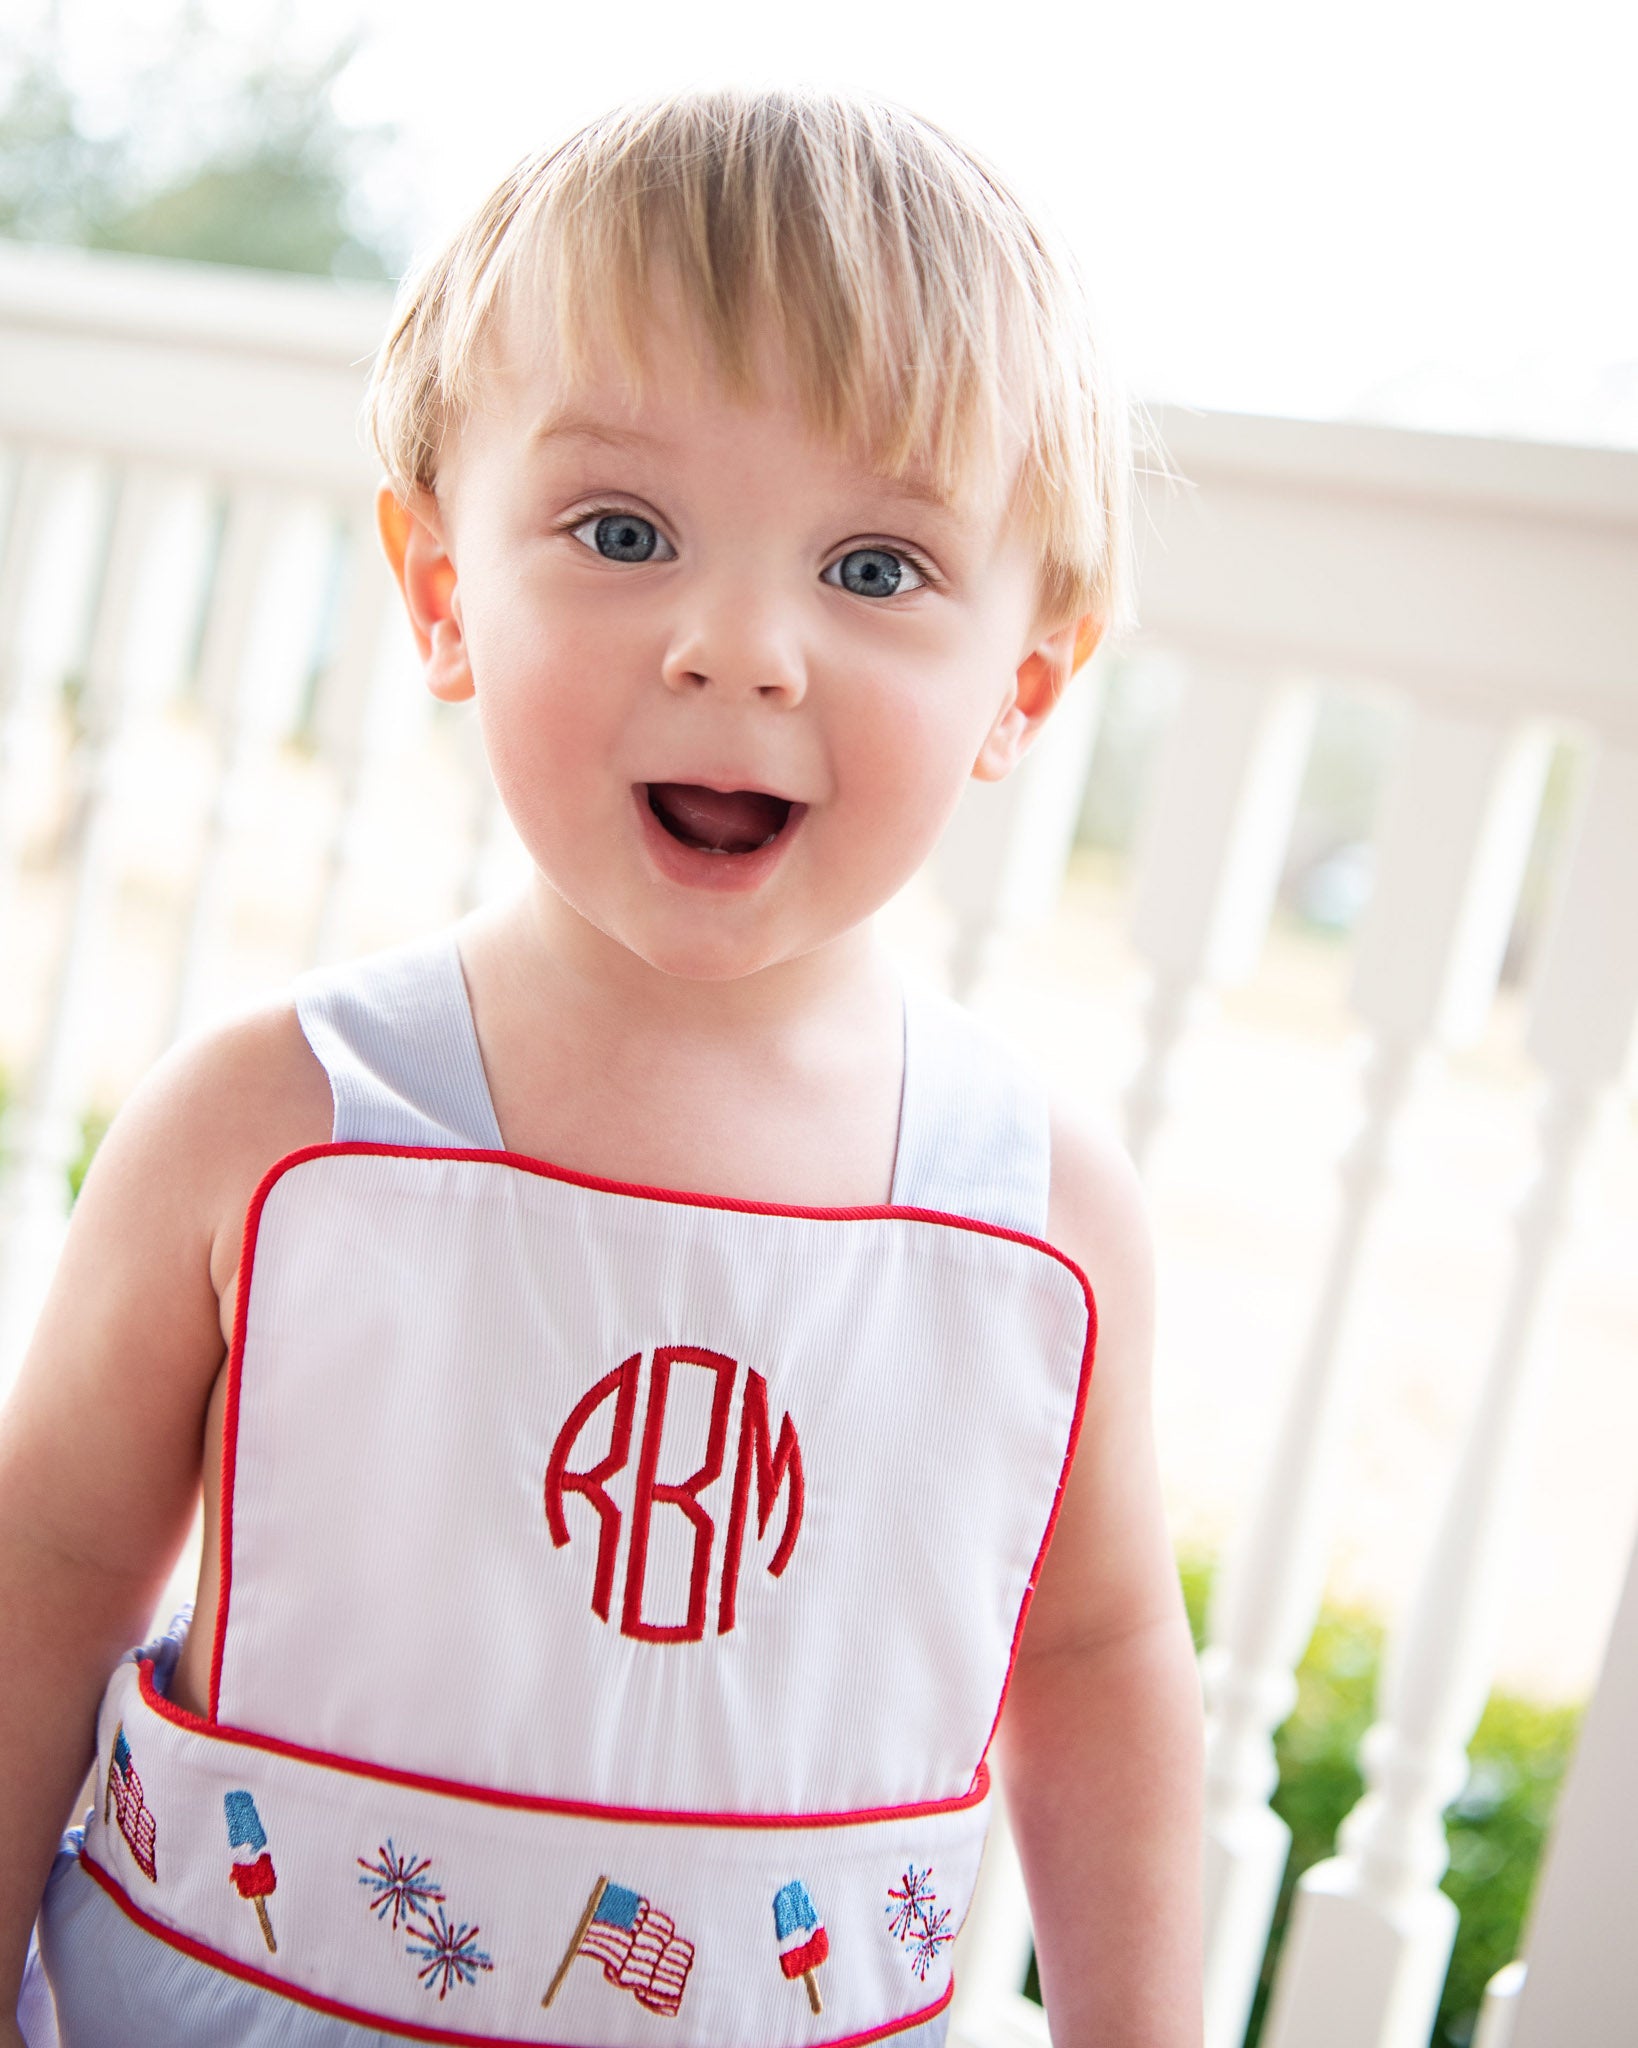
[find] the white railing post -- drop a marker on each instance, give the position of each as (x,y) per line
(44,1128)
(342,714)
(1001,861)
(1453,838)
(1371,1931)
(230,607)
(25,510)
(1578,1986)
(1208,862)
(25,515)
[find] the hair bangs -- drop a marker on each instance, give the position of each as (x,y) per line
(917,309)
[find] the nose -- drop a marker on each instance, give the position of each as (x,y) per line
(733,646)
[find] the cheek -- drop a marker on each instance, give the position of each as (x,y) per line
(910,759)
(547,684)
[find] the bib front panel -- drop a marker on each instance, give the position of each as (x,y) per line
(588,1492)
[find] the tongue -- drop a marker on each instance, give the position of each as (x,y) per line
(726,821)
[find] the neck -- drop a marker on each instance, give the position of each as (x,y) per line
(609,995)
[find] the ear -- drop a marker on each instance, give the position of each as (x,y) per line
(412,536)
(1042,677)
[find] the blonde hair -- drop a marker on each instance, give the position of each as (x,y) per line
(919,305)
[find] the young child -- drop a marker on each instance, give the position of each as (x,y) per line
(614,1566)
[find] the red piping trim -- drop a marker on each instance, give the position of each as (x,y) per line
(531,1802)
(546,1171)
(230,1433)
(359,2016)
(1057,1498)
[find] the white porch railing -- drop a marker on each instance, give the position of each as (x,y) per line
(156,416)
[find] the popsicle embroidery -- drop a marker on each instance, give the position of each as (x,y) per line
(639,1948)
(803,1942)
(124,1794)
(252,1876)
(912,1920)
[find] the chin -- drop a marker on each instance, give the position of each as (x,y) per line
(707,960)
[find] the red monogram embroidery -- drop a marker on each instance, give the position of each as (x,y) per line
(622,1384)
(686,1496)
(775,1464)
(773,1468)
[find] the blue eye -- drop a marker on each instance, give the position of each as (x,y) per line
(873,572)
(622,537)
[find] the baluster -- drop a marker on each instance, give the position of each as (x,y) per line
(31,484)
(1373,1917)
(19,545)
(230,607)
(1578,1987)
(1208,863)
(44,1129)
(1500,2009)
(1454,834)
(31,487)
(1227,786)
(342,714)
(1001,862)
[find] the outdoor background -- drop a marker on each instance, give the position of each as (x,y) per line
(1419,215)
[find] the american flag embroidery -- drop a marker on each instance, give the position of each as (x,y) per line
(124,1794)
(639,1948)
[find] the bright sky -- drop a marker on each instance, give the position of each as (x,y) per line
(1420,210)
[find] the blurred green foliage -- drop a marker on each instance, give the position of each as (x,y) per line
(216,150)
(1495,1829)
(93,1127)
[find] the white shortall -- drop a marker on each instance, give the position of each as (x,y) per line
(618,1588)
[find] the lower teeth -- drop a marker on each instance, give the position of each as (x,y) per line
(699,845)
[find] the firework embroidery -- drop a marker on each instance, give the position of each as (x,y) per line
(450,1951)
(402,1885)
(912,1921)
(934,1935)
(910,1893)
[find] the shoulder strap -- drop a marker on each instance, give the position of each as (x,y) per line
(973,1131)
(394,1033)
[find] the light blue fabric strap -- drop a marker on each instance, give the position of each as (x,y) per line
(973,1131)
(394,1033)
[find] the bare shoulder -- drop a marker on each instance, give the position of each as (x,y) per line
(128,1348)
(199,1131)
(1096,1214)
(153,1244)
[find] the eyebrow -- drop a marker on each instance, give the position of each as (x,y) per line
(920,490)
(565,424)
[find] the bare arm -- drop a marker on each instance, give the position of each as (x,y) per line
(1101,1743)
(102,1438)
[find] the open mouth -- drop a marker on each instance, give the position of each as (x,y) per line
(718,820)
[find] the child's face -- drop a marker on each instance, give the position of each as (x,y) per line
(731,682)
